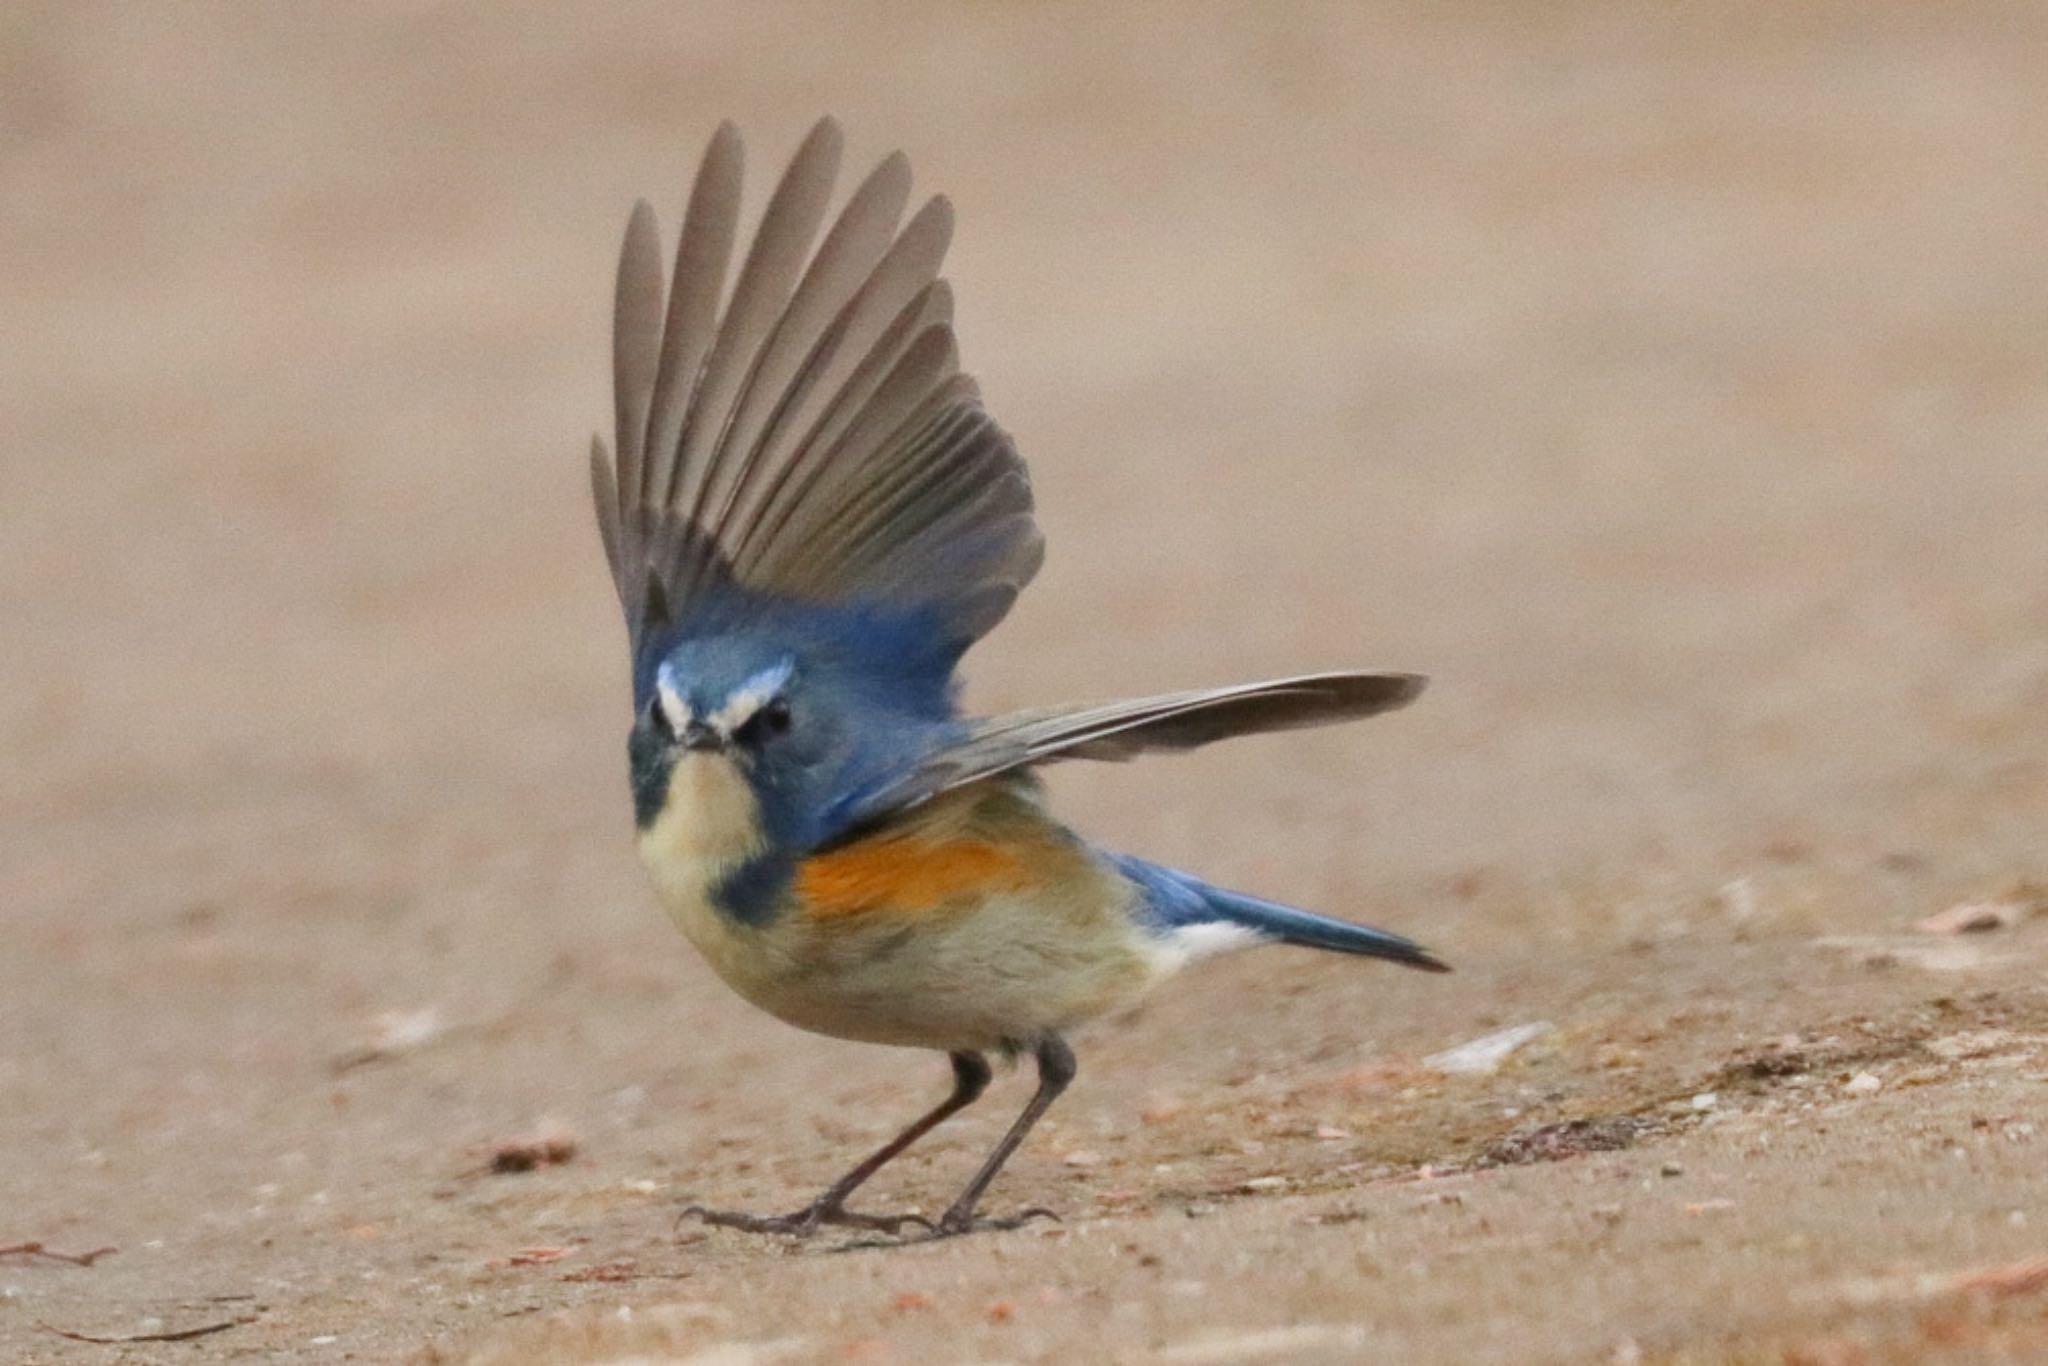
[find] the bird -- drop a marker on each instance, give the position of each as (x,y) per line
(810,517)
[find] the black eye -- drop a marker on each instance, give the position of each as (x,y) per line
(771,719)
(658,722)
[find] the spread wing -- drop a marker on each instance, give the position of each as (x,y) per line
(808,437)
(1123,730)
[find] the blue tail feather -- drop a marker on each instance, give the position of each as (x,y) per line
(1177,900)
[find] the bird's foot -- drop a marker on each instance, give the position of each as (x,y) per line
(954,1223)
(807,1221)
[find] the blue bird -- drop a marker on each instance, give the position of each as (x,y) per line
(810,518)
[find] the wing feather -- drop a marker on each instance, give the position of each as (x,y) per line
(1122,730)
(812,439)
(910,267)
(788,227)
(849,254)
(809,477)
(605,493)
(636,338)
(703,256)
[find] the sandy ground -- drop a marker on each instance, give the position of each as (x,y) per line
(1669,387)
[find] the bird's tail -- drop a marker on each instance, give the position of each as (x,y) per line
(1184,906)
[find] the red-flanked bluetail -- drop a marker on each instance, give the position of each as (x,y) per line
(810,518)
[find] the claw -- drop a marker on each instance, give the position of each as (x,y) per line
(891,1224)
(951,1227)
(948,1227)
(801,1224)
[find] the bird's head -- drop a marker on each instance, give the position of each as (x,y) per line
(787,707)
(730,705)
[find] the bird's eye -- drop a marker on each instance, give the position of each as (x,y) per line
(771,719)
(658,721)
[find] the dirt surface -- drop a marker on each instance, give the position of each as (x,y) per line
(1670,386)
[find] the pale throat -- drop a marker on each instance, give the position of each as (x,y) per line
(709,826)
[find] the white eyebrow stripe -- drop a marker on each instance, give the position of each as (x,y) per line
(673,707)
(750,697)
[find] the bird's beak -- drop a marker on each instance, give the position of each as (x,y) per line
(697,735)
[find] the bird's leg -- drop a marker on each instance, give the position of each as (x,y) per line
(971,1076)
(1055,1069)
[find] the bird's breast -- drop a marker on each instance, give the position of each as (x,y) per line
(973,920)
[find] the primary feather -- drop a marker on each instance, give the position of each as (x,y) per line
(1122,730)
(811,442)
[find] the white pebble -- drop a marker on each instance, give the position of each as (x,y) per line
(1487,1052)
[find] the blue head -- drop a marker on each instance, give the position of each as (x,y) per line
(802,702)
(724,698)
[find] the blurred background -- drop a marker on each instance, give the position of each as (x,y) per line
(1665,381)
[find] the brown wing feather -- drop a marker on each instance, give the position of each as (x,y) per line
(813,438)
(1123,730)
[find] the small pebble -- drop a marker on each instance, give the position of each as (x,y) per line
(393,1034)
(1705,1100)
(1863,1084)
(1671,1169)
(1487,1052)
(549,1148)
(1975,917)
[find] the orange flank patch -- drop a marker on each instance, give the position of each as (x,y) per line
(906,875)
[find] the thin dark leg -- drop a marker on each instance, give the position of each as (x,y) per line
(970,1078)
(1055,1069)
